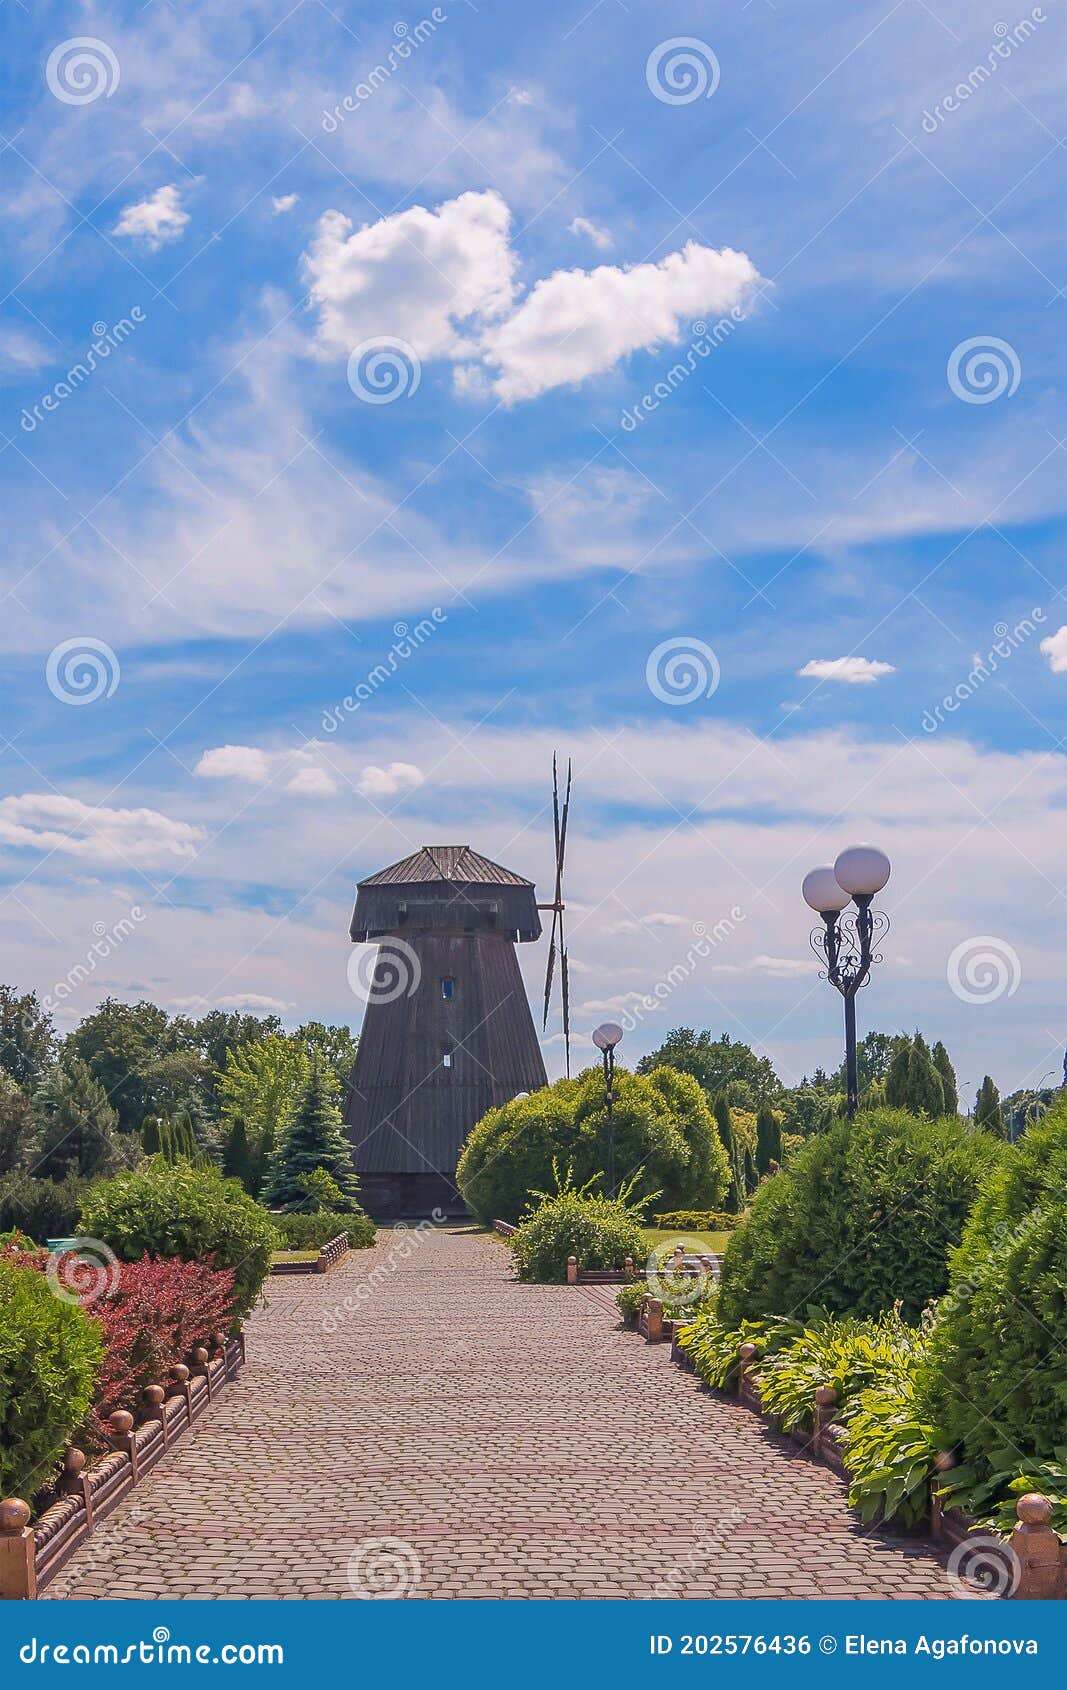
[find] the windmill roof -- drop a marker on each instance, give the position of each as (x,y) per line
(443,863)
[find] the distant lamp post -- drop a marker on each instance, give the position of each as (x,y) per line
(606,1038)
(847,942)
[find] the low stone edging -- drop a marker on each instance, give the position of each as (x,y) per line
(31,1555)
(505,1229)
(328,1257)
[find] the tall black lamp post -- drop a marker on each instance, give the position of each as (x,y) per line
(847,942)
(606,1038)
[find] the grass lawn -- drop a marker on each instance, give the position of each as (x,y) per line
(712,1243)
(295,1256)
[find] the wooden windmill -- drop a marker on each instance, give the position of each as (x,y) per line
(447,1033)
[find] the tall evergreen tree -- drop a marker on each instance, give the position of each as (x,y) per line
(735,1199)
(948,1078)
(987,1110)
(75,1125)
(896,1079)
(150,1143)
(768,1139)
(751,1176)
(926,1094)
(315,1139)
(237,1158)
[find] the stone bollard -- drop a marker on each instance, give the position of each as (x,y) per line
(178,1385)
(825,1404)
(572,1270)
(202,1368)
(18,1567)
(944,1461)
(628,1268)
(74,1481)
(1036,1548)
(120,1436)
(153,1397)
(653,1320)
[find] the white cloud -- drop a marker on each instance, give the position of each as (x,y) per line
(253,766)
(156,220)
(658,918)
(281,203)
(387,782)
(252,1001)
(444,281)
(784,966)
(578,323)
(1055,649)
(427,277)
(601,238)
(20,351)
(854,671)
(235,762)
(52,822)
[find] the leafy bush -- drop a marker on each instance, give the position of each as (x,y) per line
(714,1348)
(311,1232)
(628,1301)
(697,1220)
(663,1129)
(600,1231)
(891,1448)
(847,1354)
(859,1218)
(181,1210)
(41,1208)
(991,1383)
(159,1312)
(50,1353)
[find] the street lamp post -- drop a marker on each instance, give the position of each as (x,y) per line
(848,942)
(606,1037)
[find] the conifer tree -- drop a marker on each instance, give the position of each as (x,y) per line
(150,1142)
(926,1094)
(987,1110)
(768,1138)
(948,1078)
(237,1158)
(896,1080)
(735,1198)
(315,1139)
(76,1125)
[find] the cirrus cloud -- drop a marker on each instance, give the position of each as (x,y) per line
(853,671)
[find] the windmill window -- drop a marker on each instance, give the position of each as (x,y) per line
(446,1059)
(448,986)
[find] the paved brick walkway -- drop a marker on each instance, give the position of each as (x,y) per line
(509,1438)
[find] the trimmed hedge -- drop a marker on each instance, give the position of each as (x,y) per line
(310,1232)
(178,1209)
(41,1208)
(50,1355)
(663,1129)
(993,1383)
(697,1220)
(861,1218)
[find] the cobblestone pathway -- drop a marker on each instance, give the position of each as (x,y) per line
(511,1439)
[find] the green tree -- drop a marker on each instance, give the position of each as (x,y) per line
(75,1126)
(948,1078)
(717,1064)
(237,1158)
(315,1139)
(751,1175)
(26,1037)
(768,1138)
(16,1128)
(874,1053)
(120,1042)
(150,1135)
(987,1110)
(261,1086)
(734,1155)
(215,1035)
(896,1079)
(335,1047)
(926,1094)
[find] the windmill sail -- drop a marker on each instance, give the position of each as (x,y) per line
(558,940)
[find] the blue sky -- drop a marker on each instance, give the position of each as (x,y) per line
(856,463)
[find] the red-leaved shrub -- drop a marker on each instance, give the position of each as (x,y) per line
(161,1311)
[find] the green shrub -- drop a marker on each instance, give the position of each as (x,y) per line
(600,1231)
(311,1232)
(847,1354)
(50,1354)
(992,1383)
(697,1220)
(860,1218)
(178,1209)
(628,1300)
(891,1448)
(41,1208)
(714,1348)
(663,1129)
